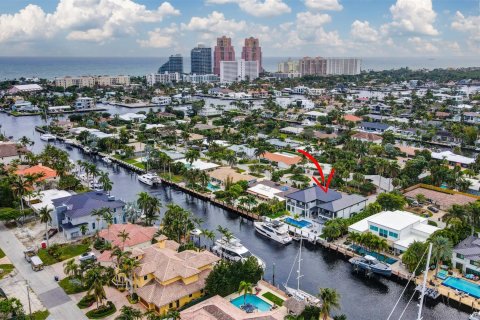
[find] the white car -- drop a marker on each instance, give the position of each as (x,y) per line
(87,256)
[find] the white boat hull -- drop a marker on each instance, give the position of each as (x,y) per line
(47,137)
(301,295)
(277,239)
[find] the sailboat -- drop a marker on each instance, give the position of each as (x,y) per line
(47,136)
(297,293)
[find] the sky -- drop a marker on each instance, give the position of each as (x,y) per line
(156,28)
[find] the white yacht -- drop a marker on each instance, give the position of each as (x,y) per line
(87,150)
(69,142)
(275,230)
(47,137)
(475,316)
(107,160)
(149,179)
(232,249)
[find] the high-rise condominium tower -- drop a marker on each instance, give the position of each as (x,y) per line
(174,64)
(224,51)
(252,51)
(201,60)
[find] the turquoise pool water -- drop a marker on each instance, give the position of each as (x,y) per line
(297,223)
(212,187)
(471,288)
(378,256)
(260,304)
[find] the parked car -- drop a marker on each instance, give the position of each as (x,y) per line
(433,209)
(51,233)
(87,256)
(29,253)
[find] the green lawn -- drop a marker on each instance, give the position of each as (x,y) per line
(66,252)
(139,165)
(71,285)
(2,254)
(270,296)
(131,161)
(40,315)
(6,269)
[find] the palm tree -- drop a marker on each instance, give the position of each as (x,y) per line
(124,235)
(225,233)
(154,205)
(105,181)
(142,201)
(83,229)
(119,255)
(192,155)
(108,217)
(70,268)
(129,266)
(45,217)
(95,277)
(245,288)
(210,235)
(330,300)
(129,313)
(441,250)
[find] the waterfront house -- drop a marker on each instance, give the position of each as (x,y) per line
(132,117)
(292,130)
(442,198)
(466,256)
(367,137)
(10,151)
(400,228)
(166,279)
(218,176)
(314,203)
(161,100)
(268,190)
(24,88)
(73,211)
(446,137)
(84,103)
(47,174)
(452,158)
(24,106)
(243,151)
(283,144)
(375,127)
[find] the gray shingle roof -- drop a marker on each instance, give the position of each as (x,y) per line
(469,248)
(374,125)
(82,204)
(315,193)
(342,203)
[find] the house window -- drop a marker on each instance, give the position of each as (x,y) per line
(201,291)
(145,277)
(93,225)
(114,209)
(170,305)
(190,295)
(383,233)
(288,208)
(460,256)
(393,234)
(115,220)
(475,263)
(374,228)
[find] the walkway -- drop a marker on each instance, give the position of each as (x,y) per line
(43,284)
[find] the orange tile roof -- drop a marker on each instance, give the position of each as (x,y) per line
(277,157)
(48,173)
(137,234)
(352,118)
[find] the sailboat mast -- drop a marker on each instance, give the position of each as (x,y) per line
(419,317)
(299,261)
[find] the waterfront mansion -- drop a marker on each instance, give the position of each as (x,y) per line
(314,203)
(73,211)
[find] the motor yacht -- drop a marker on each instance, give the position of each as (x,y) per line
(48,137)
(369,263)
(275,230)
(233,250)
(107,160)
(149,179)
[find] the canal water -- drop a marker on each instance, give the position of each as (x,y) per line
(361,298)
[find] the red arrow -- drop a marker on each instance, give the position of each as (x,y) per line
(324,186)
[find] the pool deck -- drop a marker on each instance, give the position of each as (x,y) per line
(311,233)
(448,292)
(264,287)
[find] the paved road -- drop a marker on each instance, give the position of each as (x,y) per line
(43,284)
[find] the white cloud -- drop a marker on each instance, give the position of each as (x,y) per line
(27,24)
(361,30)
(160,37)
(470,24)
(89,20)
(258,8)
(323,5)
(213,25)
(415,16)
(422,46)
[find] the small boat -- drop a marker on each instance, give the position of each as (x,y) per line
(149,179)
(196,232)
(107,160)
(429,292)
(69,142)
(371,264)
(275,230)
(233,250)
(48,137)
(475,316)
(87,150)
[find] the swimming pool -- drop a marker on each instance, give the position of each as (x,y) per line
(260,304)
(212,187)
(378,256)
(471,288)
(297,223)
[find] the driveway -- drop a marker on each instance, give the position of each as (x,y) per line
(43,284)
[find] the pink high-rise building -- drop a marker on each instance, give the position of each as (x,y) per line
(224,51)
(252,51)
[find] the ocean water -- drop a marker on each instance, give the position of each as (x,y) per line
(51,67)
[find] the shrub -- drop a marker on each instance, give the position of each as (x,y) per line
(102,311)
(86,301)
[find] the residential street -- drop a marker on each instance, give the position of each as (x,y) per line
(43,284)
